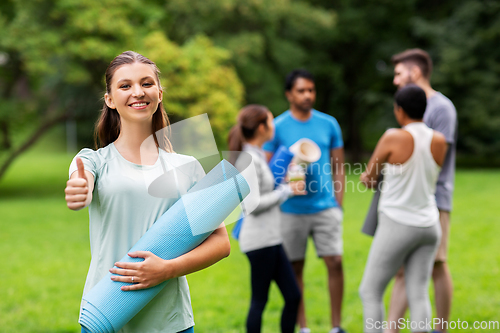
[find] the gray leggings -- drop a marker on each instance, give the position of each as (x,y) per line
(393,246)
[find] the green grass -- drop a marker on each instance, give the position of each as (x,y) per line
(46,256)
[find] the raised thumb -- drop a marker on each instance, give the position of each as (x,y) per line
(81,169)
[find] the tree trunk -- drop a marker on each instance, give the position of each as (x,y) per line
(42,129)
(4,129)
(354,131)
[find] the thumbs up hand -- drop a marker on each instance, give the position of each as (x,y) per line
(78,194)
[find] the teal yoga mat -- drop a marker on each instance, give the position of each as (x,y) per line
(179,230)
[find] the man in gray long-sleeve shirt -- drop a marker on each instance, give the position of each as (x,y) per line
(415,66)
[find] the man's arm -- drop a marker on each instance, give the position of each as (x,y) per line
(338,172)
(444,120)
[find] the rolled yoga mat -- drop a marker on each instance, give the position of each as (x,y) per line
(279,164)
(180,229)
(371,219)
(305,151)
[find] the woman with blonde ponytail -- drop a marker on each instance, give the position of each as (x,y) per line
(260,237)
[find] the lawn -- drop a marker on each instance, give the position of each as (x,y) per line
(46,252)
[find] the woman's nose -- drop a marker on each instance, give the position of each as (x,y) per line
(138,91)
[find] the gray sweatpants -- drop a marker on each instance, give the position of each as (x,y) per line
(394,245)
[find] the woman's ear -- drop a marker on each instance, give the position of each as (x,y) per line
(160,95)
(262,128)
(109,101)
(400,115)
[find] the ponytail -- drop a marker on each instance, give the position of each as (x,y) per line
(235,138)
(235,143)
(249,119)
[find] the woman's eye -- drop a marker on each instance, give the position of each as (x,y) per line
(147,84)
(124,86)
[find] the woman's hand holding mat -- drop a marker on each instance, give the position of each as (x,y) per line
(145,274)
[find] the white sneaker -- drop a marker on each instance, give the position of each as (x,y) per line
(304,330)
(337,330)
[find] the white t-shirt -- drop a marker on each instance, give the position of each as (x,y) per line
(121,211)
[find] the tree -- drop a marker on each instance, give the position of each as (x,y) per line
(465,47)
(57,51)
(267,39)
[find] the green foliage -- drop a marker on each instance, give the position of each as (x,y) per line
(58,52)
(198,79)
(465,45)
(267,38)
(462,38)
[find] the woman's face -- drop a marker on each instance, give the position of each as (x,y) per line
(134,92)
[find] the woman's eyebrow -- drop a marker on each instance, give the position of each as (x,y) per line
(122,80)
(144,78)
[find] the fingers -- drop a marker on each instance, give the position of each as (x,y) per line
(298,187)
(127,276)
(75,205)
(140,254)
(301,185)
(300,192)
(123,273)
(126,265)
(146,273)
(135,286)
(76,186)
(77,190)
(133,265)
(131,272)
(76,193)
(81,168)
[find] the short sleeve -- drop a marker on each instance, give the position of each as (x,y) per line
(336,140)
(444,120)
(89,159)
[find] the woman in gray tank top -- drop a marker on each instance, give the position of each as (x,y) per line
(408,232)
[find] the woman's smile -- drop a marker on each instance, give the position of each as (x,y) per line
(139,105)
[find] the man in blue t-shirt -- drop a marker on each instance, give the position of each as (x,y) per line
(318,213)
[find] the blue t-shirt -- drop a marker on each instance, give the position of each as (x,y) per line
(325,131)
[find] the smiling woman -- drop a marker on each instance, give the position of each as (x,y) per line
(112,182)
(134,88)
(136,83)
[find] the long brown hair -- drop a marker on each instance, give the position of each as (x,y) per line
(107,128)
(249,119)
